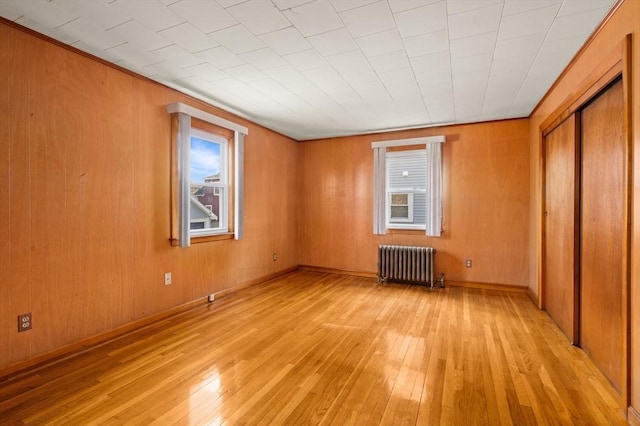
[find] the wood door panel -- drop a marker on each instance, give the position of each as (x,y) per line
(560,226)
(602,232)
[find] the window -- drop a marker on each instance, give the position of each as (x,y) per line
(206,176)
(408,185)
(208,184)
(406,180)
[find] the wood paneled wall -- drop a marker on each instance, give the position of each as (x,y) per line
(84,201)
(624,21)
(486,203)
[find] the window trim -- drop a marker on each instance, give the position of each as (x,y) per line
(435,170)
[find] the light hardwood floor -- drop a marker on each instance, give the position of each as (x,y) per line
(315,348)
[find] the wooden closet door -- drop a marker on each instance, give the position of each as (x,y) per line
(602,232)
(560,226)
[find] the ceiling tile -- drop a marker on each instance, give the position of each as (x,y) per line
(430,63)
(188,37)
(514,65)
(402,5)
(572,7)
(167,71)
(306,60)
(562,48)
(390,61)
(284,74)
(372,91)
(259,16)
(405,91)
(229,3)
(512,7)
(476,21)
(237,39)
(314,18)
(370,19)
(245,73)
(422,20)
(285,41)
(392,76)
(207,72)
(437,93)
(348,61)
(342,5)
(360,75)
(221,57)
(455,7)
(8,12)
(468,46)
(577,24)
(288,4)
(441,113)
(134,55)
(97,12)
(139,35)
(91,35)
(425,44)
(378,44)
(207,16)
(178,55)
(434,77)
(42,13)
(332,42)
(471,63)
(150,13)
(532,22)
(263,59)
(525,45)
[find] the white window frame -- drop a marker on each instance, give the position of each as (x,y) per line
(222,184)
(398,221)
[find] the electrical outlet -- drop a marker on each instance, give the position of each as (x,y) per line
(211,297)
(275,257)
(167,278)
(25,322)
(467,263)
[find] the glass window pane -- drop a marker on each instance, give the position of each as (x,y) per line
(400,199)
(399,212)
(205,161)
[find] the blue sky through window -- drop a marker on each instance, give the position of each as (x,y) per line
(205,158)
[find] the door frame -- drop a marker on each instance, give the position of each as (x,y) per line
(617,64)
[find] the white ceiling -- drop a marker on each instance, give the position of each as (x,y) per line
(320,68)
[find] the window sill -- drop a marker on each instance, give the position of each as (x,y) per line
(205,239)
(405,231)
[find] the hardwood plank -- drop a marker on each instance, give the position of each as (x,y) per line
(328,349)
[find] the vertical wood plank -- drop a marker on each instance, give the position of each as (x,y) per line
(57,108)
(20,208)
(6,313)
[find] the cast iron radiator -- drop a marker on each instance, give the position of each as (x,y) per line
(407,263)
